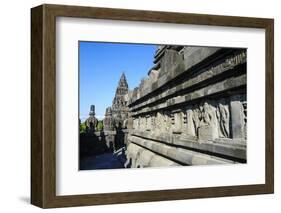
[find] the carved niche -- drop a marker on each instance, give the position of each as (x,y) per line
(177,121)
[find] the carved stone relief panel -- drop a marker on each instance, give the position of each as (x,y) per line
(245,118)
(159,121)
(238,117)
(208,126)
(196,117)
(223,117)
(177,121)
(208,120)
(167,124)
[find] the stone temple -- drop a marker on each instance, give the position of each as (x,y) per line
(116,116)
(91,122)
(191,109)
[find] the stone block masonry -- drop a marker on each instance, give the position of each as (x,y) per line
(190,110)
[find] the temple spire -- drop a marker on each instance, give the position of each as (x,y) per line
(92,110)
(123,81)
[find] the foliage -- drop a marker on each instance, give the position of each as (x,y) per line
(100,125)
(82,127)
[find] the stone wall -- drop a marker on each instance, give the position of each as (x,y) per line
(191,109)
(100,142)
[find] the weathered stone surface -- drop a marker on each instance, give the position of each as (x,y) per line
(145,158)
(108,121)
(190,123)
(208,73)
(221,146)
(224,86)
(91,122)
(181,155)
(238,118)
(117,116)
(192,108)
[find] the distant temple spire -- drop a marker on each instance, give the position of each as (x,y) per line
(91,122)
(118,113)
(121,90)
(123,82)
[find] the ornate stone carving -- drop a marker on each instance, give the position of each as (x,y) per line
(177,120)
(148,122)
(196,117)
(192,94)
(159,123)
(223,119)
(238,118)
(167,124)
(119,110)
(108,120)
(208,128)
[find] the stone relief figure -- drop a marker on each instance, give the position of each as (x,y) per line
(223,119)
(159,122)
(238,117)
(206,115)
(208,128)
(196,117)
(166,121)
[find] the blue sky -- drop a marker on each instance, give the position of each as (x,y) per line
(101,65)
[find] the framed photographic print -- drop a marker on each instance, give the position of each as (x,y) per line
(136,106)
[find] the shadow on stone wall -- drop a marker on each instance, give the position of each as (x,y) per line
(102,150)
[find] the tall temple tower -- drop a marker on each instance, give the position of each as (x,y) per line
(119,101)
(119,109)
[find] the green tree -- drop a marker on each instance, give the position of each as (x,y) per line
(100,125)
(82,127)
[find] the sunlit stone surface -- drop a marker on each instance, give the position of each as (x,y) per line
(190,110)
